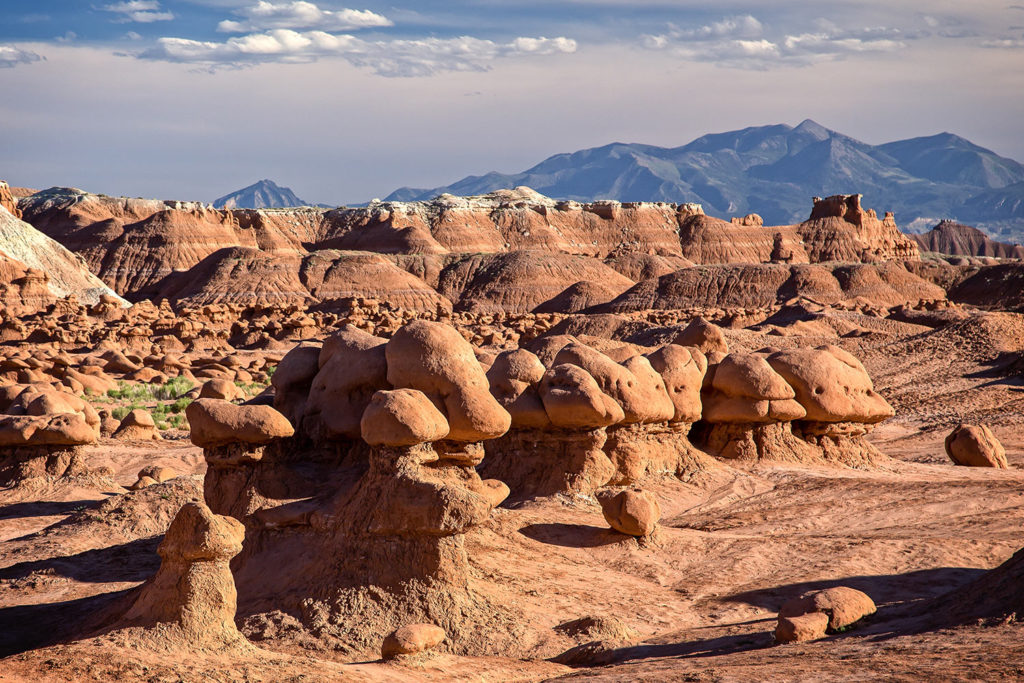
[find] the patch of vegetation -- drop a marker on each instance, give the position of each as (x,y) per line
(121,412)
(172,389)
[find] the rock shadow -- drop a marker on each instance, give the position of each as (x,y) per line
(45,508)
(573,535)
(28,627)
(134,561)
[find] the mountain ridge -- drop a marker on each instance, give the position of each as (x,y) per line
(772,170)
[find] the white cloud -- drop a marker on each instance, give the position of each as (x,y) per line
(739,42)
(139,11)
(1004,43)
(387,58)
(300,15)
(11,56)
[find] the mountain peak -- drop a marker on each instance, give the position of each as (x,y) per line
(263,194)
(813,128)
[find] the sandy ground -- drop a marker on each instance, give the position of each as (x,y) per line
(701,596)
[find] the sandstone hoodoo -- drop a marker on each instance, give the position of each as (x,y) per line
(840,401)
(41,434)
(750,409)
(390,486)
(191,601)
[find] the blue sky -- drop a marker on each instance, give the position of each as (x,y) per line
(346,101)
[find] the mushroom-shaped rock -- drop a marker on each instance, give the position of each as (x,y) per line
(682,368)
(513,378)
(706,336)
(223,389)
(435,359)
(412,639)
(632,511)
(572,398)
(218,423)
(642,398)
(831,385)
(802,628)
(402,417)
(137,425)
(193,590)
(353,367)
(975,446)
(746,389)
(750,408)
(844,606)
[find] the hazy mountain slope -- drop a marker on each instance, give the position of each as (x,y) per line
(773,170)
(264,194)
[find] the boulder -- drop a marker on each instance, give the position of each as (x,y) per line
(572,399)
(639,391)
(513,378)
(831,385)
(138,425)
(682,368)
(842,605)
(412,639)
(705,336)
(216,422)
(975,446)
(353,367)
(632,511)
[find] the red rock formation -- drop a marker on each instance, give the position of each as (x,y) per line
(950,237)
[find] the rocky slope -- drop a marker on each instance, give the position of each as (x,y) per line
(37,270)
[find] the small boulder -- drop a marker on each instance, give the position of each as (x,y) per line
(138,425)
(222,389)
(495,491)
(412,639)
(632,512)
(975,446)
(158,473)
(844,606)
(801,628)
(706,336)
(142,483)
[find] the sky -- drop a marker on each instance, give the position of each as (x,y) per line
(347,101)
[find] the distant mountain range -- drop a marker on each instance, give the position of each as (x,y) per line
(265,194)
(775,170)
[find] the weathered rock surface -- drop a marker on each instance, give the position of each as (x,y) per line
(975,446)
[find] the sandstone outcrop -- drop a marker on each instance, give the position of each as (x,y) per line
(801,628)
(975,446)
(956,239)
(41,434)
